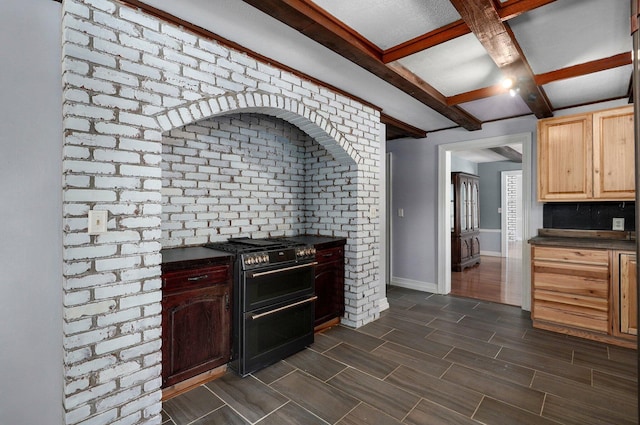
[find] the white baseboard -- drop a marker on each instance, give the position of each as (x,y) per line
(414,284)
(491,253)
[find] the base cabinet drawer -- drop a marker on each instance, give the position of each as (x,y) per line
(570,287)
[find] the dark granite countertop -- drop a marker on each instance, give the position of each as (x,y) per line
(603,239)
(194,256)
(320,242)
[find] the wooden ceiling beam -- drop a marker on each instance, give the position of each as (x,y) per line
(318,25)
(396,129)
(496,37)
(514,9)
(456,29)
(508,152)
(598,65)
(423,42)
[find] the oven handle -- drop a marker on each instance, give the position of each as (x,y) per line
(286,307)
(258,274)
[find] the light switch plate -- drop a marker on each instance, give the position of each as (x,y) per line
(618,224)
(97,222)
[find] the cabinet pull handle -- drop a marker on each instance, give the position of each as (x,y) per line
(328,255)
(197,278)
(286,307)
(226,301)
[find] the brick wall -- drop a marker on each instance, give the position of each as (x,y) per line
(132,85)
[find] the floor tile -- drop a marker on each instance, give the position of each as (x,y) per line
(546,364)
(319,365)
(248,396)
(400,323)
(501,369)
(362,360)
(430,413)
(495,412)
(461,329)
(191,405)
(223,416)
(376,329)
(441,392)
(274,372)
(367,415)
(323,342)
(354,338)
(470,344)
(413,359)
(603,364)
(585,394)
(609,382)
(571,412)
(430,347)
(500,389)
(315,396)
(292,414)
(384,396)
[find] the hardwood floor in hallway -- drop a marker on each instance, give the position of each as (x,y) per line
(496,279)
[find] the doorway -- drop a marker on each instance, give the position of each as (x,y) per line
(444,200)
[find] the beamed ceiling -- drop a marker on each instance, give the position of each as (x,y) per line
(430,65)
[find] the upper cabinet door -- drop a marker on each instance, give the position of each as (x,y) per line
(565,158)
(613,154)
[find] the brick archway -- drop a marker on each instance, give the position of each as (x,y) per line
(287,109)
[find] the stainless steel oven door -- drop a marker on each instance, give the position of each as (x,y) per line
(277,285)
(274,333)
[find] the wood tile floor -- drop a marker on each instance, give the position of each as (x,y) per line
(429,359)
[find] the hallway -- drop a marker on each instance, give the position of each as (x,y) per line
(496,279)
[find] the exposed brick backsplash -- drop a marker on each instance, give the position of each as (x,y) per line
(183,140)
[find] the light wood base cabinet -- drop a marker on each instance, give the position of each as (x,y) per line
(587,293)
(625,295)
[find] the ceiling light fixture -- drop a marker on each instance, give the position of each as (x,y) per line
(507,83)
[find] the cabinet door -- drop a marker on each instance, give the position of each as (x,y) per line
(196,328)
(329,282)
(565,158)
(628,294)
(613,154)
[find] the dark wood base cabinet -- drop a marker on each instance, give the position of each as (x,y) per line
(196,322)
(329,284)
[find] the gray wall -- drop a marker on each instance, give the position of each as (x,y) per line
(415,189)
(490,191)
(30,214)
(462,165)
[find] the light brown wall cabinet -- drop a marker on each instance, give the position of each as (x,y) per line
(587,157)
(465,221)
(588,293)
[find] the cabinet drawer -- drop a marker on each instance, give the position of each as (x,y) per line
(579,312)
(331,254)
(196,278)
(571,255)
(596,285)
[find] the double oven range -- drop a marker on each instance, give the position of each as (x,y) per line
(273,300)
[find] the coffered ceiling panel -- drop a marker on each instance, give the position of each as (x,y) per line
(567,33)
(389,23)
(497,107)
(454,67)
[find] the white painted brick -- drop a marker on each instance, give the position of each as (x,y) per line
(74,416)
(140,300)
(86,195)
(139,18)
(89,309)
(89,83)
(141,403)
(105,418)
(117,343)
(121,26)
(117,371)
(115,291)
(109,264)
(118,77)
(69,21)
(141,350)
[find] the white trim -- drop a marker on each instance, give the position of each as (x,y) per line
(444,225)
(491,253)
(489,230)
(414,284)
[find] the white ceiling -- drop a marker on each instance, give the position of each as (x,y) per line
(554,36)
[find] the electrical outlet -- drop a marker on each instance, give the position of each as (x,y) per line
(97,222)
(618,223)
(400,212)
